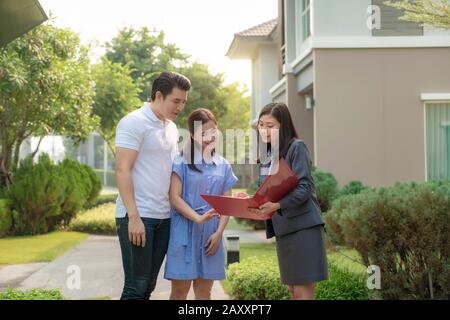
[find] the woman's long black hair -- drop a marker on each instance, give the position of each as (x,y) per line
(287,132)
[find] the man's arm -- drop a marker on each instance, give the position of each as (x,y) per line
(125,159)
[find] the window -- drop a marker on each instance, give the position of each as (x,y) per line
(302,19)
(438,140)
(306,19)
(302,23)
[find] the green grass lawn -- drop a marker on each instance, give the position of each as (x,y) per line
(41,248)
(234,225)
(247,250)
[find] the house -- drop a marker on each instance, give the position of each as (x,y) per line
(258,44)
(95,153)
(369,93)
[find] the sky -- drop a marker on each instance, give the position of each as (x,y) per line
(203,29)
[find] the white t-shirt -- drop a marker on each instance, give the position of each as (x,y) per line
(156,144)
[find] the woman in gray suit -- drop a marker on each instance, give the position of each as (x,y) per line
(297,223)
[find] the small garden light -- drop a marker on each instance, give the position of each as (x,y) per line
(232,249)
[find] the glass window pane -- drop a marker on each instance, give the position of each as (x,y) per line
(438,140)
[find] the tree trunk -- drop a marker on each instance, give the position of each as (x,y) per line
(17,152)
(5,173)
(5,159)
(37,148)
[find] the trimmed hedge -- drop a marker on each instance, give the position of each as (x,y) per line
(33,294)
(259,279)
(103,199)
(99,220)
(403,229)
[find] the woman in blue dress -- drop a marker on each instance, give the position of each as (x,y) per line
(196,252)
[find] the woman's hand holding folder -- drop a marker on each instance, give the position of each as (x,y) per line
(266,208)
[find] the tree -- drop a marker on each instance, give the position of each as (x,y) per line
(237,117)
(115,95)
(148,55)
(145,54)
(45,87)
(204,93)
(237,103)
(434,13)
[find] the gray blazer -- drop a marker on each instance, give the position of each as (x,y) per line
(300,208)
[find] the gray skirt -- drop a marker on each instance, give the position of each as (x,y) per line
(302,256)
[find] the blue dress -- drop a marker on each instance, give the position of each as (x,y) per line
(186,259)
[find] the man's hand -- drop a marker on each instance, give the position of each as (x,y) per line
(212,244)
(266,208)
(136,231)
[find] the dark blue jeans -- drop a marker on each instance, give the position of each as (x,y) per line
(141,264)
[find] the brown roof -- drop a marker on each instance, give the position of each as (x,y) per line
(261,30)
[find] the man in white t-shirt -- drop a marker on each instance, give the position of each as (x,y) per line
(146,144)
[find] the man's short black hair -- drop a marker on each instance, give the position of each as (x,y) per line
(167,80)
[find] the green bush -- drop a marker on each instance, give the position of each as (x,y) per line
(99,220)
(33,294)
(259,279)
(256,279)
(5,218)
(353,187)
(36,195)
(77,189)
(102,199)
(342,285)
(45,196)
(326,188)
(403,229)
(96,185)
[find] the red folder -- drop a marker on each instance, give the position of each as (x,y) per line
(274,188)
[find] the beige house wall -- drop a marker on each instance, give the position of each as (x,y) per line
(303,118)
(369,117)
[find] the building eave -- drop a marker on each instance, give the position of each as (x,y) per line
(244,47)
